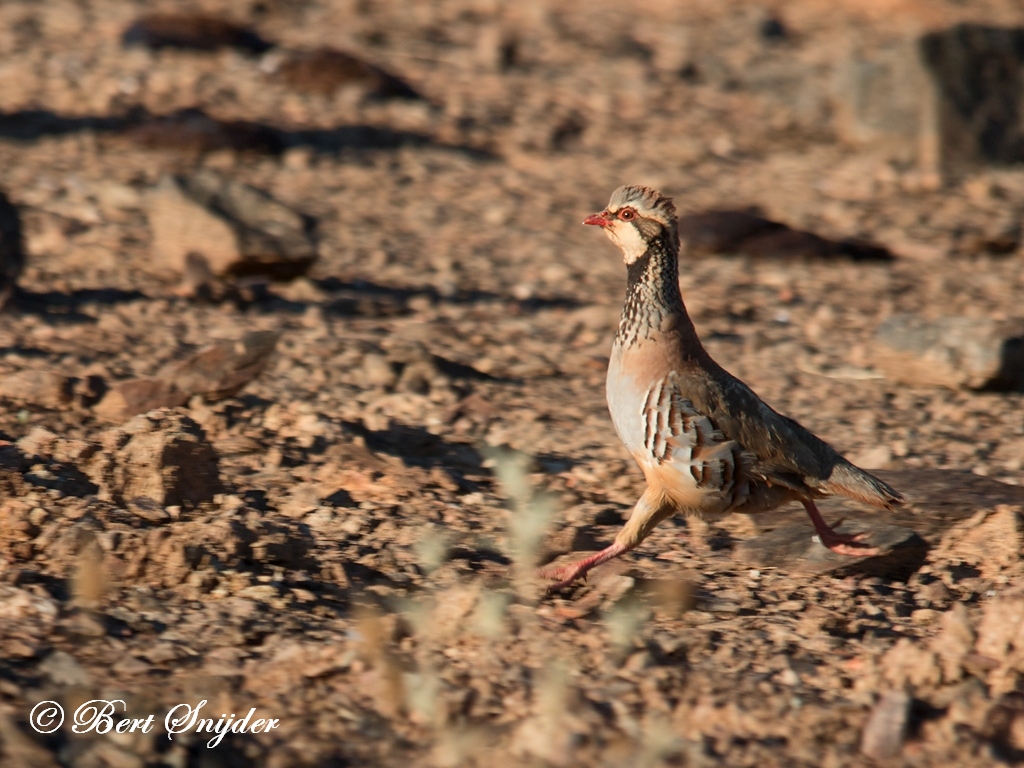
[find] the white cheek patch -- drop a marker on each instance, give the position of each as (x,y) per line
(628,238)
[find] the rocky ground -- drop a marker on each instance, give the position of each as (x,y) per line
(341,532)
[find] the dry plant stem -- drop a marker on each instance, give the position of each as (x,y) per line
(840,543)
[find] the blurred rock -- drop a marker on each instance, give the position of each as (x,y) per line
(748,232)
(12,248)
(324,70)
(63,669)
(883,100)
(222,369)
(43,388)
(976,353)
(950,99)
(192,31)
(886,726)
(128,398)
(497,48)
(147,509)
(198,278)
(163,456)
(236,229)
(214,372)
(953,642)
(181,227)
(978,72)
(272,239)
(377,371)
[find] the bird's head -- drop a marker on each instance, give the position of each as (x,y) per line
(635,218)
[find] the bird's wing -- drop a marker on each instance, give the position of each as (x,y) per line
(783,452)
(775,449)
(677,433)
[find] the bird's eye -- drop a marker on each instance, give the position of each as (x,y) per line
(627,214)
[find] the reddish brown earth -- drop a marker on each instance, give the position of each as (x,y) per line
(345,544)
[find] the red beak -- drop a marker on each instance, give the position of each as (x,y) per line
(598,219)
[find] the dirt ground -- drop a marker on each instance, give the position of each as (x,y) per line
(433,423)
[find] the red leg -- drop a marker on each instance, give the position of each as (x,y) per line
(840,543)
(567,574)
(650,510)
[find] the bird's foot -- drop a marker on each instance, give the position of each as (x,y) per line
(564,575)
(849,544)
(561,577)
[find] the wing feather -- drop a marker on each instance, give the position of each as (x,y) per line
(676,433)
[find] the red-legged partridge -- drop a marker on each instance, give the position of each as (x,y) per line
(706,443)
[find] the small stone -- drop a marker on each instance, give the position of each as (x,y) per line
(86,624)
(874,458)
(886,726)
(63,669)
(302,499)
(128,398)
(378,371)
(954,641)
(161,653)
(148,510)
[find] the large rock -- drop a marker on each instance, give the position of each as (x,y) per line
(884,100)
(181,226)
(949,99)
(237,229)
(272,238)
(163,456)
(214,372)
(978,73)
(976,353)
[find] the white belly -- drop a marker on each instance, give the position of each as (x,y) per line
(625,403)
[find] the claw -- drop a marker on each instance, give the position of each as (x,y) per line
(841,543)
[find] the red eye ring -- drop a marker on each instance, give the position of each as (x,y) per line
(627,214)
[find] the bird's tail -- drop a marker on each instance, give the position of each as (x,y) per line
(852,481)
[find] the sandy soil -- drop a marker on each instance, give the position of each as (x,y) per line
(433,421)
